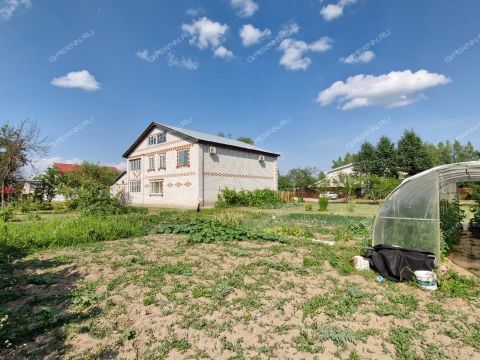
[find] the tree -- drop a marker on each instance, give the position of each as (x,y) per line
(300,178)
(412,154)
(246,140)
(348,159)
(366,161)
(50,183)
(387,158)
(18,145)
(348,183)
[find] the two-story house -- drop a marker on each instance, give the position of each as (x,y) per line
(171,166)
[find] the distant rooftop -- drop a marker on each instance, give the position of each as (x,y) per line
(65,168)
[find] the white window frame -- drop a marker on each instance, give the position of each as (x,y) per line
(162,164)
(157,138)
(156,191)
(135,186)
(151,163)
(136,164)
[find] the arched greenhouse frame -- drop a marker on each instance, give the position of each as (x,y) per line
(410,215)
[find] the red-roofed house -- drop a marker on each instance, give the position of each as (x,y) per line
(64,168)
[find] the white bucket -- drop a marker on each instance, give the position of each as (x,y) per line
(426,279)
(360,263)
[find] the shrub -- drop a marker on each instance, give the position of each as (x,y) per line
(380,187)
(6,214)
(256,198)
(451,218)
(475,221)
(322,203)
(308,207)
(94,199)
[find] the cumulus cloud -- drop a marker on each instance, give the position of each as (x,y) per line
(245,8)
(205,33)
(294,58)
(9,7)
(223,53)
(251,35)
(77,79)
(397,88)
(185,63)
(333,11)
(363,58)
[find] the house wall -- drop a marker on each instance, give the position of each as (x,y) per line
(121,185)
(236,169)
(180,184)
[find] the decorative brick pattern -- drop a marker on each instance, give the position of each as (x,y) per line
(176,148)
(171,175)
(188,184)
(240,176)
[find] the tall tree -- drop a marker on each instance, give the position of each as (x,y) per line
(366,161)
(246,140)
(301,178)
(347,159)
(18,145)
(387,158)
(412,154)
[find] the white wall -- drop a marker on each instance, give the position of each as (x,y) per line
(180,185)
(236,169)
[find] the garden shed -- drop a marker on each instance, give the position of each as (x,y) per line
(410,216)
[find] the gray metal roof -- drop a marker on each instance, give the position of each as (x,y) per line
(217,139)
(198,136)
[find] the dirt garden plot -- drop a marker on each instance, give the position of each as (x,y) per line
(158,297)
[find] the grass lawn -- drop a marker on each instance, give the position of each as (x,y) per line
(153,295)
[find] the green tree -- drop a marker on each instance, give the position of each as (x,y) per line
(246,140)
(366,162)
(347,159)
(300,178)
(50,183)
(413,155)
(387,160)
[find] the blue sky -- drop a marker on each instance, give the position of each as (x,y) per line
(125,64)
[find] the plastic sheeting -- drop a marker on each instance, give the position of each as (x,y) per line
(410,216)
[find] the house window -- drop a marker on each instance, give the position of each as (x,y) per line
(156,188)
(157,139)
(162,161)
(135,186)
(135,164)
(183,158)
(151,163)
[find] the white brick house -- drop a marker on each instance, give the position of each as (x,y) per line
(170,166)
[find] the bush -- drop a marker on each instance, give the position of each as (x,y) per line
(256,198)
(6,213)
(322,203)
(380,187)
(94,199)
(451,218)
(308,207)
(475,221)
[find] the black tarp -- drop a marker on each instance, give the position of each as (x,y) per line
(398,264)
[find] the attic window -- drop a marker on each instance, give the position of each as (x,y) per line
(157,138)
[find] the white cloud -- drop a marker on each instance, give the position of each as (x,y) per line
(333,11)
(77,79)
(397,88)
(251,35)
(195,12)
(294,58)
(185,63)
(9,7)
(205,32)
(223,53)
(144,55)
(245,8)
(363,58)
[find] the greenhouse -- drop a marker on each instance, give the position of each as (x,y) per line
(410,216)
